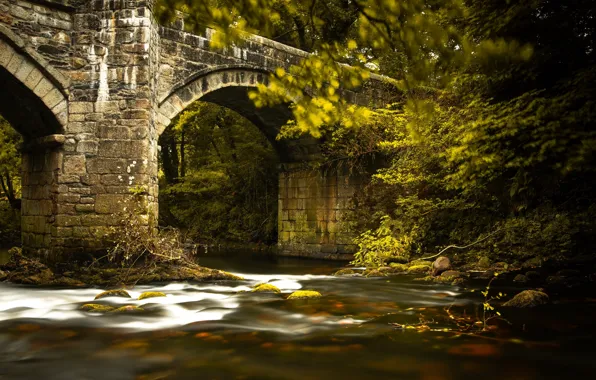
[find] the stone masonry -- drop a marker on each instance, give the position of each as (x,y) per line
(90,84)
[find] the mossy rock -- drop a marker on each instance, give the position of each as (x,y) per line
(483,263)
(128,309)
(265,288)
(419,262)
(528,298)
(374,273)
(151,295)
(345,272)
(230,276)
(3,276)
(304,294)
(521,279)
(535,262)
(417,269)
(113,293)
(396,267)
(97,308)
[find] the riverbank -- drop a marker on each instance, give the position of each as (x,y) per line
(23,270)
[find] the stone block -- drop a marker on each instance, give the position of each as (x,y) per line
(75,164)
(67,221)
(80,107)
(101,165)
(88,147)
(68,198)
(85,208)
(111,203)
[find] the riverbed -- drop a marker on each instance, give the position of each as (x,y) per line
(391,327)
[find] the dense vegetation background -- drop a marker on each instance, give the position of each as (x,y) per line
(490,138)
(219,177)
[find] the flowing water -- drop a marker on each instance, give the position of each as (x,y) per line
(222,331)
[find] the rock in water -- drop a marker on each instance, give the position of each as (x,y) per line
(113,293)
(265,288)
(528,298)
(440,265)
(97,308)
(304,294)
(520,278)
(151,295)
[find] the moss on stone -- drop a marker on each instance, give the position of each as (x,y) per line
(230,276)
(373,273)
(419,269)
(344,272)
(127,309)
(265,288)
(483,263)
(113,293)
(304,294)
(398,267)
(97,308)
(528,298)
(151,295)
(419,262)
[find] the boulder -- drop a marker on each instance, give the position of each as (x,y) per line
(151,295)
(520,278)
(97,308)
(484,263)
(304,294)
(440,265)
(528,298)
(532,275)
(345,272)
(265,288)
(535,262)
(419,269)
(452,273)
(374,273)
(397,268)
(113,293)
(127,309)
(2,276)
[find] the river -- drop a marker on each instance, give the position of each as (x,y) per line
(222,331)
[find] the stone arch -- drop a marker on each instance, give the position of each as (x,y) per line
(228,86)
(34,98)
(205,82)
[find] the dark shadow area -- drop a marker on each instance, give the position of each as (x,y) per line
(219,174)
(24,110)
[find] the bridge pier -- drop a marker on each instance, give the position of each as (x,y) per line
(311,212)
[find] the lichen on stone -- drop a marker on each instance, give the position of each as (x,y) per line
(113,293)
(265,288)
(304,294)
(97,308)
(151,295)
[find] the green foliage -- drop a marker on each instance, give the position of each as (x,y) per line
(491,131)
(228,188)
(376,247)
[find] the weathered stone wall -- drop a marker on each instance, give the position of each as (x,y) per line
(91,84)
(311,212)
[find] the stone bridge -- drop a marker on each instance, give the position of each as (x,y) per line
(91,84)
